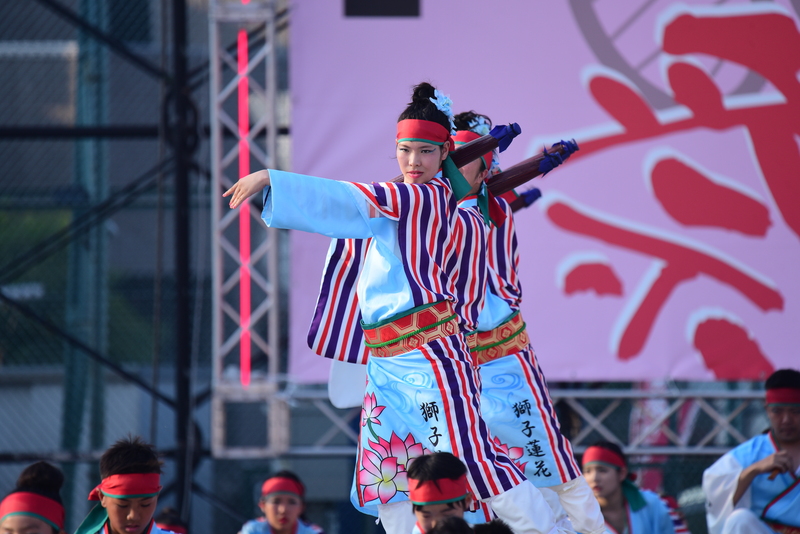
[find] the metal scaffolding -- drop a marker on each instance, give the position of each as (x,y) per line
(244,129)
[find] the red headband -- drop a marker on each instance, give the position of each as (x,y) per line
(601,454)
(129,486)
(282,485)
(440,491)
(33,504)
(783,396)
(463,137)
(420,130)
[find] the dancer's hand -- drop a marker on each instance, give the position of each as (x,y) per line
(247,187)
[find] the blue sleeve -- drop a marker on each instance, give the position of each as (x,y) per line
(253,527)
(327,207)
(662,521)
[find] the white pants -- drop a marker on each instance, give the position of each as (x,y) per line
(397,517)
(743,521)
(581,506)
(526,511)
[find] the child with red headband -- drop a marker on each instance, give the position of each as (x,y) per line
(440,497)
(515,401)
(128,492)
(283,502)
(34,507)
(422,392)
(755,488)
(626,508)
(438,489)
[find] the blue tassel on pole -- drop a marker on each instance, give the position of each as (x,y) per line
(551,161)
(530,196)
(505,134)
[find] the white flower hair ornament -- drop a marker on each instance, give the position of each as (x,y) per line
(479,125)
(445,105)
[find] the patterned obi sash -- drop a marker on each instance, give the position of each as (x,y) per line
(410,330)
(780,528)
(507,339)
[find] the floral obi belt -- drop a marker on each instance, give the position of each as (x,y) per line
(507,339)
(410,330)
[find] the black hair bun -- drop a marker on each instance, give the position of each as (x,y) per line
(463,120)
(41,478)
(423,93)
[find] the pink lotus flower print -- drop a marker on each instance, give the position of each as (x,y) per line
(370,410)
(405,450)
(513,453)
(380,478)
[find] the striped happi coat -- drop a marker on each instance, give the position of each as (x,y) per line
(515,401)
(469,265)
(402,249)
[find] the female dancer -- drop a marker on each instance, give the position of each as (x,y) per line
(421,392)
(34,507)
(625,507)
(283,503)
(515,402)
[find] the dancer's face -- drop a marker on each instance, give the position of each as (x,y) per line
(784,421)
(420,161)
(282,511)
(129,516)
(475,174)
(23,524)
(604,480)
(430,514)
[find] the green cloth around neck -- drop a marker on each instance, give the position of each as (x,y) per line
(631,494)
(94,521)
(461,187)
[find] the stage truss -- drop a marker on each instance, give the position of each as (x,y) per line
(246,325)
(699,422)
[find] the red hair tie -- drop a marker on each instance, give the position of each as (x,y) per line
(601,454)
(783,396)
(440,491)
(421,130)
(463,137)
(282,485)
(33,504)
(128,486)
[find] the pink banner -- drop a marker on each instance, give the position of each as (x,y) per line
(669,246)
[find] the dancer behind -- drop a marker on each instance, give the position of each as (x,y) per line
(437,489)
(283,503)
(34,507)
(128,492)
(169,519)
(625,507)
(755,488)
(440,497)
(421,391)
(515,401)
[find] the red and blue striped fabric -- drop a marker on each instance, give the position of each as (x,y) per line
(425,232)
(503,281)
(468,266)
(503,260)
(335,330)
(424,213)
